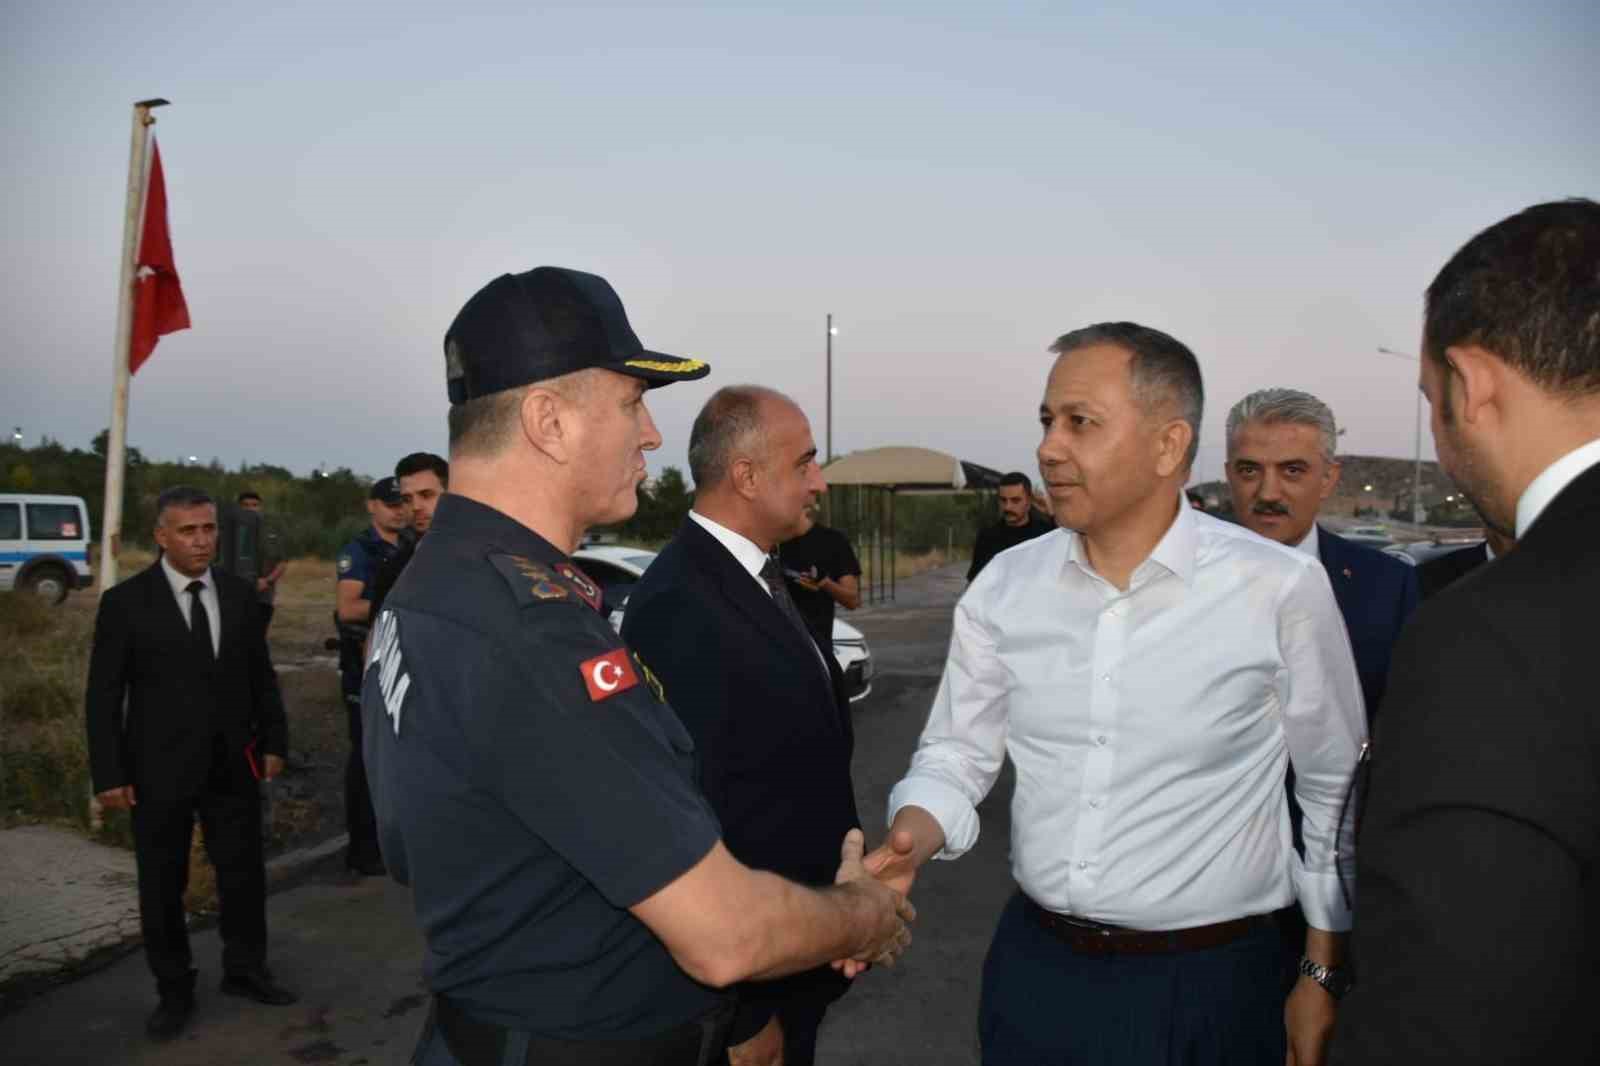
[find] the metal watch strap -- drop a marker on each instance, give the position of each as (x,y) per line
(1334,980)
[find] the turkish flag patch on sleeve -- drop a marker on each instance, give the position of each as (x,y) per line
(608,674)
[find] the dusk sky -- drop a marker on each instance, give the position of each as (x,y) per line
(957,183)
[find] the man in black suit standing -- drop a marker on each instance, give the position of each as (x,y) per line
(1475,926)
(764,702)
(183,714)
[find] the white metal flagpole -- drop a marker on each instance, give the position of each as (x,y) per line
(117,438)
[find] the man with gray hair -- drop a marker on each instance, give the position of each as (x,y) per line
(759,691)
(1282,464)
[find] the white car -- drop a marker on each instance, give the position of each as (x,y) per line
(616,568)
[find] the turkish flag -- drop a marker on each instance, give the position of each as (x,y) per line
(158,306)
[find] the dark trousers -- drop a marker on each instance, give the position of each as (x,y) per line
(1044,1004)
(229,806)
(799,1001)
(359,817)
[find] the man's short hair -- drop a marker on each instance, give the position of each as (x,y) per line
(419,462)
(1017,477)
(482,425)
(180,496)
(248,494)
(730,421)
(1162,370)
(1273,406)
(1526,289)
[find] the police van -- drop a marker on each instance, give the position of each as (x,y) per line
(44,545)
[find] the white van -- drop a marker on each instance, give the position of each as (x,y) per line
(44,544)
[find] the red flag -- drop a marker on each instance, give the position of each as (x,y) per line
(158,306)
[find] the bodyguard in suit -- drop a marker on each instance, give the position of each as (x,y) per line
(183,712)
(1476,927)
(763,701)
(1281,465)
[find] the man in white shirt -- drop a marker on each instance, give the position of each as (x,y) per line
(1477,932)
(1150,682)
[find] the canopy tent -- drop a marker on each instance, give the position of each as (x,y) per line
(861,492)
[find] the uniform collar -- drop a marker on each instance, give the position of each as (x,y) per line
(462,516)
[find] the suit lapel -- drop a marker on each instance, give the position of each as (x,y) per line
(740,589)
(1340,573)
(163,604)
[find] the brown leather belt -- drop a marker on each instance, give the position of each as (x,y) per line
(1095,938)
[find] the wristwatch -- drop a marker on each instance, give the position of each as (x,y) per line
(1336,980)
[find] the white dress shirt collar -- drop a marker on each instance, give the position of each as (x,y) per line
(1174,552)
(746,552)
(1548,485)
(1310,544)
(180,583)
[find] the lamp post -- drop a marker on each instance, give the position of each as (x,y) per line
(828,454)
(1416,474)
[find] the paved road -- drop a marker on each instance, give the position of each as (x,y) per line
(351,949)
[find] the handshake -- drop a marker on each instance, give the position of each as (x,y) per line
(878,884)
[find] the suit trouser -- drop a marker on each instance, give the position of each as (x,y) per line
(359,817)
(229,805)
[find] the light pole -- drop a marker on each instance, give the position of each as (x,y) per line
(1416,474)
(829,445)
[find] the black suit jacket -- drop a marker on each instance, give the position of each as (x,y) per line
(154,707)
(773,732)
(1376,595)
(1477,900)
(1443,570)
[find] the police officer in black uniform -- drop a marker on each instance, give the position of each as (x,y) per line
(357,566)
(533,786)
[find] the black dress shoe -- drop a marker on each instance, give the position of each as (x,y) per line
(169,1017)
(259,986)
(367,867)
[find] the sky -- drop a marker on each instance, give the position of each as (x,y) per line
(957,184)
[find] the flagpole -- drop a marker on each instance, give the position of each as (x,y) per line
(117,438)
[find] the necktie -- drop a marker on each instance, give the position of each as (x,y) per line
(200,623)
(772,576)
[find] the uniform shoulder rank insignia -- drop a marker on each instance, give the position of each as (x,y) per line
(580,583)
(652,682)
(531,582)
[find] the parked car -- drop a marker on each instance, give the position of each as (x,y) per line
(616,568)
(1419,552)
(44,545)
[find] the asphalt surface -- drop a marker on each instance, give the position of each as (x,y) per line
(351,950)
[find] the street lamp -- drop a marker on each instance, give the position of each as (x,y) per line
(193,459)
(1416,474)
(831,334)
(16,435)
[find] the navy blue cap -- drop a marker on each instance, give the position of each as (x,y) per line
(386,489)
(549,321)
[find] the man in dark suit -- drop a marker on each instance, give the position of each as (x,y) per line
(1441,571)
(764,702)
(183,714)
(1282,464)
(1476,924)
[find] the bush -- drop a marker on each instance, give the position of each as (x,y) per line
(44,757)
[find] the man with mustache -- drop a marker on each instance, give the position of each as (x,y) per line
(1282,463)
(1150,670)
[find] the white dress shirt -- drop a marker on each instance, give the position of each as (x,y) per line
(208,596)
(1555,477)
(1151,729)
(1310,545)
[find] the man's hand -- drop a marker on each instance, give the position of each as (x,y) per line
(1308,1016)
(763,1049)
(262,584)
(894,861)
(890,937)
(114,799)
(271,767)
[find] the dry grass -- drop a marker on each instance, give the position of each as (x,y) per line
(909,565)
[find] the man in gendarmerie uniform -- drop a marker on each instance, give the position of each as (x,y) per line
(533,786)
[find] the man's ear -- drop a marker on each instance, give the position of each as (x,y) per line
(744,475)
(1172,446)
(1330,479)
(548,423)
(1474,375)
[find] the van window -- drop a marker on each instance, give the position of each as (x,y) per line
(10,521)
(54,521)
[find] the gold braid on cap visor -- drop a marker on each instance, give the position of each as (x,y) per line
(685,366)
